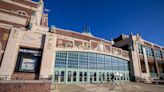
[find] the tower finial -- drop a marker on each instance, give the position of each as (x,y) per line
(86,30)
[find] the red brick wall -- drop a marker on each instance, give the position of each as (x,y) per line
(4,34)
(25,87)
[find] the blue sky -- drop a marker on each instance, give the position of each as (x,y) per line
(109,18)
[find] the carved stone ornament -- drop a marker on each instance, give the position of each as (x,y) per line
(114,51)
(100,46)
(86,46)
(68,45)
(59,43)
(16,33)
(32,23)
(50,41)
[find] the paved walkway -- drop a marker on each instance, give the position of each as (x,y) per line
(108,87)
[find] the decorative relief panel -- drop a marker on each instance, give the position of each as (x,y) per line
(69,44)
(94,45)
(78,44)
(61,43)
(50,41)
(125,54)
(116,51)
(99,46)
(86,45)
(108,48)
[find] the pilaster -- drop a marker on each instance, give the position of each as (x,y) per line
(48,57)
(147,75)
(10,56)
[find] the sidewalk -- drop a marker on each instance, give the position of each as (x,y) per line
(108,87)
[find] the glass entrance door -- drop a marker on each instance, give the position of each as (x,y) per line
(62,76)
(69,76)
(74,76)
(56,77)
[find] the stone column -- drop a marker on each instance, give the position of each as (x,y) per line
(147,66)
(135,63)
(48,57)
(10,56)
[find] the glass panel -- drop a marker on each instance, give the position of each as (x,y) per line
(72,60)
(85,76)
(61,58)
(69,76)
(81,76)
(103,76)
(115,63)
(56,76)
(83,60)
(62,76)
(74,76)
(108,77)
(100,61)
(91,76)
(95,79)
(92,61)
(108,63)
(99,76)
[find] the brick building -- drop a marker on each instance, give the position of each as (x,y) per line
(30,50)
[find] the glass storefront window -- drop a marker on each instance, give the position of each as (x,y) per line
(89,61)
(72,60)
(95,61)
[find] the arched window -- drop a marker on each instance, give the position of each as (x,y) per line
(21,12)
